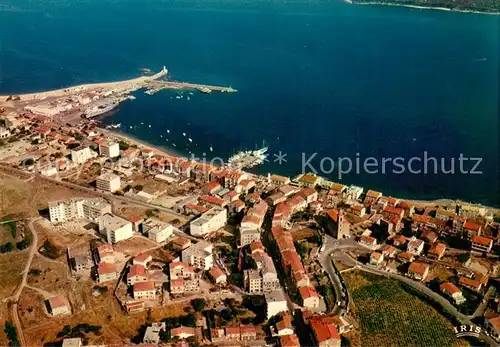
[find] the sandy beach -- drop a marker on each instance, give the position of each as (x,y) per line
(375,3)
(131,83)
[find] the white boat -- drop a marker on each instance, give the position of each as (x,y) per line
(173,144)
(113,126)
(184,134)
(190,140)
(100,109)
(211,149)
(150,125)
(168,131)
(188,98)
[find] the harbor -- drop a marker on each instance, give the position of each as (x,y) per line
(247,159)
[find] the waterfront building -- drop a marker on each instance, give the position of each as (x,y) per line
(109,149)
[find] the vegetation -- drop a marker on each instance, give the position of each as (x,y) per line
(35,272)
(198,304)
(101,290)
(390,313)
(465,5)
(50,250)
(22,244)
(11,332)
(11,225)
(6,248)
(79,330)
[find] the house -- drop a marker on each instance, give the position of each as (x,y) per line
(469,283)
(418,270)
(176,286)
(275,302)
(183,332)
(248,332)
(415,246)
(182,270)
(324,333)
(144,290)
(358,210)
(309,180)
(217,275)
(106,272)
(199,255)
(309,194)
(180,243)
(59,306)
(367,241)
(142,259)
(106,253)
(72,342)
(136,274)
(236,206)
(389,251)
(372,197)
(445,215)
(429,236)
(451,290)
(152,334)
(284,326)
(233,333)
(405,257)
(399,240)
(212,187)
(217,335)
(376,258)
(437,251)
(289,341)
(309,297)
(481,244)
(493,327)
(279,180)
(472,228)
(336,224)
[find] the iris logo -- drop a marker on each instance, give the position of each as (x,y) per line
(467,330)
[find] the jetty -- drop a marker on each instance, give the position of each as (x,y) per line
(157,85)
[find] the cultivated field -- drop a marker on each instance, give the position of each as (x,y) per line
(390,316)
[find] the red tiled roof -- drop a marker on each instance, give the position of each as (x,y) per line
(482,240)
(215,272)
(449,287)
(144,286)
(135,219)
(256,246)
(136,270)
(469,225)
(438,249)
(106,268)
(469,282)
(393,210)
(289,341)
(324,331)
(212,200)
(333,214)
(142,257)
(418,267)
(58,301)
(308,292)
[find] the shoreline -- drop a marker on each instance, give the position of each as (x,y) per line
(419,7)
(133,82)
(168,152)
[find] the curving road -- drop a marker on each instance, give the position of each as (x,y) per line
(337,249)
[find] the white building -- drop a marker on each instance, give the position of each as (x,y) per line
(91,209)
(109,149)
(158,231)
(108,182)
(59,306)
(152,335)
(12,122)
(212,220)
(48,171)
(115,228)
(48,109)
(199,255)
(81,155)
(275,302)
(4,133)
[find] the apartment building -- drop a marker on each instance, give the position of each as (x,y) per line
(108,182)
(199,255)
(158,231)
(109,149)
(91,209)
(82,154)
(210,221)
(115,228)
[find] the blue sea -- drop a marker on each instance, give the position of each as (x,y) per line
(325,77)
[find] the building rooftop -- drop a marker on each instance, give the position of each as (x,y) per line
(113,222)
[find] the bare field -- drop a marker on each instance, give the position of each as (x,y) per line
(11,268)
(53,276)
(135,245)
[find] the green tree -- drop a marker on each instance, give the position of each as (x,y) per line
(198,304)
(23,244)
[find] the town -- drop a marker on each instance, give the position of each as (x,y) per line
(136,246)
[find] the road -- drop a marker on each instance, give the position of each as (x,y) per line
(17,295)
(337,250)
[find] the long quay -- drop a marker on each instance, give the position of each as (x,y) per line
(158,85)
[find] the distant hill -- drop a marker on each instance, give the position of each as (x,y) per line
(489,6)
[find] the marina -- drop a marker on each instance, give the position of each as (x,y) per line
(247,159)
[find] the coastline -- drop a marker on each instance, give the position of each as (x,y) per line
(376,3)
(168,152)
